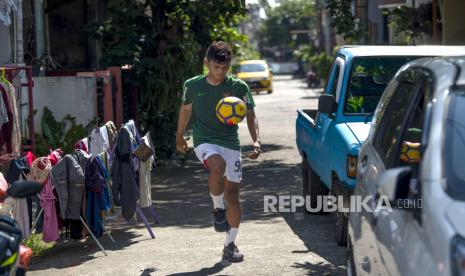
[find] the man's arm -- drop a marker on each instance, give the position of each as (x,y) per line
(185,113)
(252,124)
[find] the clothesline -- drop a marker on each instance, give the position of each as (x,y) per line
(7,75)
(86,184)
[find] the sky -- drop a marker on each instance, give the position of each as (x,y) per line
(271,2)
(262,12)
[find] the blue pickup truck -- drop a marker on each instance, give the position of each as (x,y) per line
(329,138)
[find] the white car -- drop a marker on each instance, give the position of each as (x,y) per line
(413,157)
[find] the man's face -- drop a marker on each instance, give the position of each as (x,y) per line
(217,70)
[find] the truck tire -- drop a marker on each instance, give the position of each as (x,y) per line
(342,220)
(316,188)
(304,166)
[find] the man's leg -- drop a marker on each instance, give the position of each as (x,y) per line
(216,167)
(231,194)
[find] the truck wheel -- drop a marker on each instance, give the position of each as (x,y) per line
(304,167)
(316,188)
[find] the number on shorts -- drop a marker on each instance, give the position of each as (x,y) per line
(238,166)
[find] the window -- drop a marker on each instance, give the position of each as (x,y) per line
(252,67)
(454,145)
(335,81)
(409,148)
(368,79)
(393,118)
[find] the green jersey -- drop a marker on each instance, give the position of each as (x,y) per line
(204,97)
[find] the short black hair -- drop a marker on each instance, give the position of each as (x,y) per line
(220,52)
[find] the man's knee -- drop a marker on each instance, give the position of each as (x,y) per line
(216,165)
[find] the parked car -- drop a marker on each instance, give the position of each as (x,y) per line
(329,138)
(413,157)
(257,74)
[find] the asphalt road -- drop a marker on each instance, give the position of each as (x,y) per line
(186,244)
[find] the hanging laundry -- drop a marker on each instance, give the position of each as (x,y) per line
(40,169)
(99,141)
(18,167)
(47,202)
(97,195)
(5,204)
(22,208)
(3,110)
(111,130)
(145,182)
(16,134)
(125,188)
(81,157)
(135,141)
(7,128)
(103,161)
(68,180)
(30,157)
(21,214)
(82,144)
(55,156)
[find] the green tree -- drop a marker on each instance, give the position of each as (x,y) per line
(164,42)
(343,20)
(277,29)
(411,23)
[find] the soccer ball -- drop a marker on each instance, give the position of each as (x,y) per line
(231,110)
(410,152)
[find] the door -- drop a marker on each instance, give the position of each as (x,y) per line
(325,123)
(400,233)
(375,157)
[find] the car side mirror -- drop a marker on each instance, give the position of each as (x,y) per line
(394,183)
(327,104)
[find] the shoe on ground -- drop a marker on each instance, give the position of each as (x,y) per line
(220,221)
(232,254)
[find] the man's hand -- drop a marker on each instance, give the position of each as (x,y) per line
(184,115)
(181,144)
(256,152)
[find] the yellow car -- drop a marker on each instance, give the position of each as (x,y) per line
(257,74)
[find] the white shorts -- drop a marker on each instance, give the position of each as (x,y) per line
(232,158)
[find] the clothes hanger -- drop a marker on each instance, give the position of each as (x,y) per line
(3,78)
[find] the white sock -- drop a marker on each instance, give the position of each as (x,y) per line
(218,201)
(231,236)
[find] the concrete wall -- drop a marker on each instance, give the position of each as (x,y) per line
(65,95)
